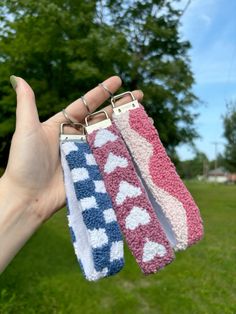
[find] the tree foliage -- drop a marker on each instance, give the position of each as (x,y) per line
(230,136)
(198,166)
(65,47)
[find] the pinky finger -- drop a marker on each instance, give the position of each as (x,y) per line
(138,94)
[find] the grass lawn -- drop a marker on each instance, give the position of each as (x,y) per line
(45,277)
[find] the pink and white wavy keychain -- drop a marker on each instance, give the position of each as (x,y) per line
(136,217)
(174,205)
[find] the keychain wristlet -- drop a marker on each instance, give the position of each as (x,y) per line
(177,209)
(138,221)
(95,232)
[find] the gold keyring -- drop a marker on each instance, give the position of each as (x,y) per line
(106,89)
(67,117)
(95,114)
(116,97)
(76,125)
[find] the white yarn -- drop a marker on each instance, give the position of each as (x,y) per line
(82,247)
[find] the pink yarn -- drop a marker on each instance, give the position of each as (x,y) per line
(141,237)
(161,170)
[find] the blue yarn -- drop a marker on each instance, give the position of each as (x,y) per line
(72,234)
(93,217)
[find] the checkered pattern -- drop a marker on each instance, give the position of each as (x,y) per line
(95,232)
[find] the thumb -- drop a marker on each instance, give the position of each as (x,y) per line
(26,111)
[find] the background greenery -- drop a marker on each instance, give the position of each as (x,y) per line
(45,277)
(63,48)
(230,136)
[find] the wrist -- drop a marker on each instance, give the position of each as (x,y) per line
(18,221)
(14,198)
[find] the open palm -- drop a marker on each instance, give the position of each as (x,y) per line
(34,170)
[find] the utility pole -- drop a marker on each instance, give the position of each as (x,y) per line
(216,155)
(216,152)
(204,168)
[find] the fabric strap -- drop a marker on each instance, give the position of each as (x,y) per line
(92,221)
(138,221)
(174,204)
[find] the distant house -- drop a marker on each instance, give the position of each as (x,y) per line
(219,175)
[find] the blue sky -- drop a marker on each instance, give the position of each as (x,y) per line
(210,25)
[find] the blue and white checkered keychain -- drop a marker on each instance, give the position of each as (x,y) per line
(96,235)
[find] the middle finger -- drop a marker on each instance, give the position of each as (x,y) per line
(94,98)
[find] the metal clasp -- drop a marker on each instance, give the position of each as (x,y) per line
(71,137)
(98,125)
(123,108)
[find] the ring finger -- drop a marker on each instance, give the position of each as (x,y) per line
(77,110)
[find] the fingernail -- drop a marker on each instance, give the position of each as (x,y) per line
(13,81)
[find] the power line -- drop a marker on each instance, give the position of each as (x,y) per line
(184,10)
(186,7)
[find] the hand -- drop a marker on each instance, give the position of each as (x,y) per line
(32,189)
(34,172)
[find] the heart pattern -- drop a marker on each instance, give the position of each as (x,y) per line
(114,161)
(137,217)
(104,136)
(134,210)
(152,249)
(126,190)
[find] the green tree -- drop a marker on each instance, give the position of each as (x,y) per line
(219,162)
(64,47)
(189,169)
(230,136)
(158,64)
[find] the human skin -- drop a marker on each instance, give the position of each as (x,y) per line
(31,188)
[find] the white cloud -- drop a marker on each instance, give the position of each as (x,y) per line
(210,26)
(205,18)
(214,48)
(198,18)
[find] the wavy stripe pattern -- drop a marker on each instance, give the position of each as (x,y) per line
(160,176)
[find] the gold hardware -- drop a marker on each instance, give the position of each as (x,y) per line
(98,125)
(71,137)
(123,108)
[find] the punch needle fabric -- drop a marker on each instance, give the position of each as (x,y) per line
(138,221)
(176,208)
(92,221)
